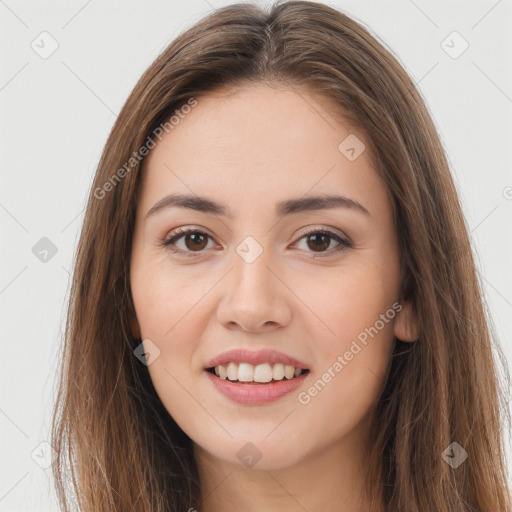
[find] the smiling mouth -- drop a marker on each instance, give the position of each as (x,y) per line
(252,382)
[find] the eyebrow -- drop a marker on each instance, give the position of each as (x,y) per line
(205,205)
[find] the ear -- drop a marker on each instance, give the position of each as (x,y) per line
(135,328)
(406,323)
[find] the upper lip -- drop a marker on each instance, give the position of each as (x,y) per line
(241,355)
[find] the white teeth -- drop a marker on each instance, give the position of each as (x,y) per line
(232,371)
(289,371)
(278,371)
(265,372)
(245,372)
(223,373)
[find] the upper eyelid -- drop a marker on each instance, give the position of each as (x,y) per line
(184,230)
(320,228)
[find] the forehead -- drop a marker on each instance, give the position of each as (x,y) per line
(261,144)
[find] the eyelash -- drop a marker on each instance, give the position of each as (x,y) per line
(181,232)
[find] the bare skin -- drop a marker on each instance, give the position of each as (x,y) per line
(249,149)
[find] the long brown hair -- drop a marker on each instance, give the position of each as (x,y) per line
(119,449)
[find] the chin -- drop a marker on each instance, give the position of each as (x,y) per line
(263,454)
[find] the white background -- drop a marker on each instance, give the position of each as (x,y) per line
(56,114)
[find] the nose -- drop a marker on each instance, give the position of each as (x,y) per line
(254,296)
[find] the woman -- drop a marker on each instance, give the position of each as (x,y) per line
(275,303)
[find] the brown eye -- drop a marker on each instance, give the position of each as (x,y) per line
(318,241)
(195,241)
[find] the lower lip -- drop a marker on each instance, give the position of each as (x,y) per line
(256,394)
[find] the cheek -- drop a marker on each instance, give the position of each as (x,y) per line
(168,312)
(349,301)
(165,307)
(357,310)
(174,308)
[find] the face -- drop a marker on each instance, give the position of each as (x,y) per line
(264,268)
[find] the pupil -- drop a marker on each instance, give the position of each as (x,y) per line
(323,246)
(194,241)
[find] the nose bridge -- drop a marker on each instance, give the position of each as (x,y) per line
(251,274)
(254,296)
